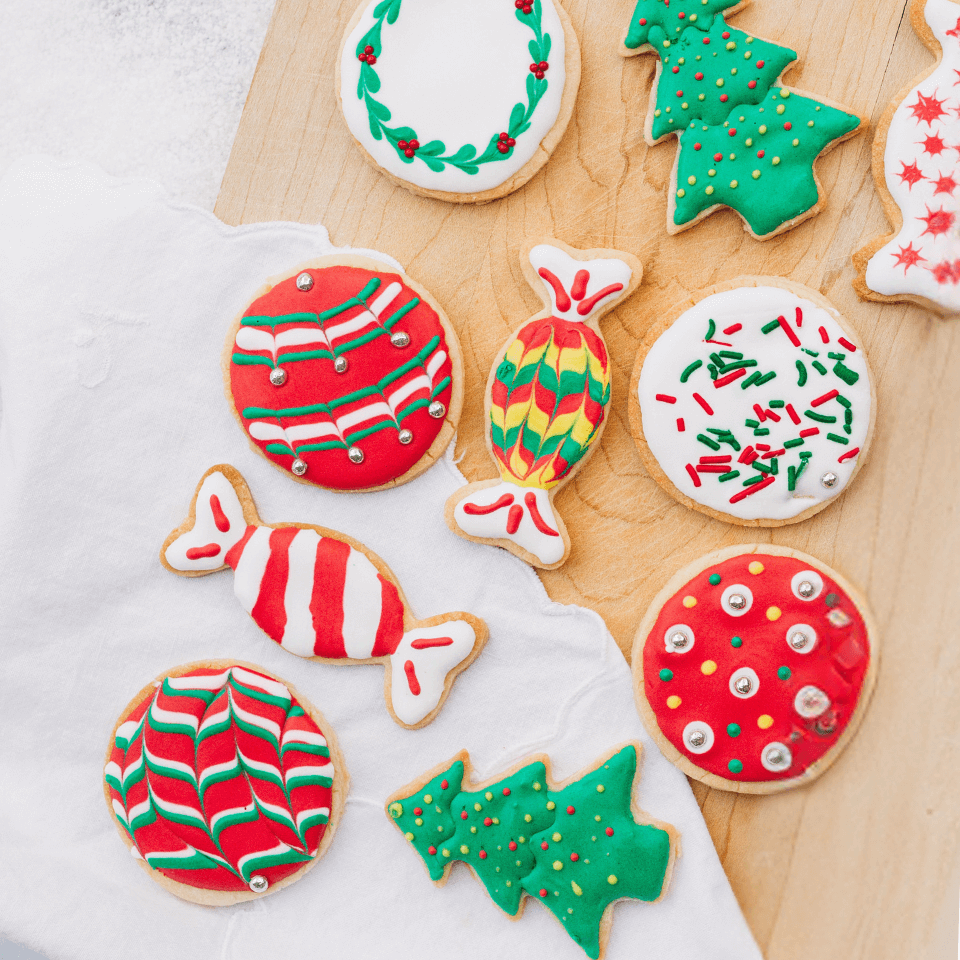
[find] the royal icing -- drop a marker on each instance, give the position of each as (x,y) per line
(342,375)
(756,403)
(755,667)
(453,95)
(221,780)
(745,141)
(577,850)
(923,178)
(317,596)
(546,404)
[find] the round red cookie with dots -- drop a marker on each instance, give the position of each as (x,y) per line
(753,668)
(346,374)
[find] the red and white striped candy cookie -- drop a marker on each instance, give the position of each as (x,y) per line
(753,668)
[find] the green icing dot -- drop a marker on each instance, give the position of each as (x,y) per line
(714,578)
(735,766)
(733,729)
(666,674)
(784,673)
(736,642)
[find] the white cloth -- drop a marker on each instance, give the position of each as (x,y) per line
(114,302)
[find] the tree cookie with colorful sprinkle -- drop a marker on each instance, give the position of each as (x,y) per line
(346,374)
(323,596)
(546,402)
(578,847)
(753,668)
(745,141)
(458,100)
(918,179)
(224,783)
(753,403)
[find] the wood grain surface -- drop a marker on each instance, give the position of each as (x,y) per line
(865,862)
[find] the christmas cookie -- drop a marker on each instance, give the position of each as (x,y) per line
(915,169)
(578,847)
(323,596)
(745,141)
(547,398)
(459,100)
(345,374)
(753,668)
(224,783)
(753,404)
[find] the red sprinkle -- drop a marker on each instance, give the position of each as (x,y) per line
(775,417)
(730,377)
(703,403)
(786,329)
(711,468)
(848,454)
(799,317)
(774,453)
(693,475)
(666,398)
(823,335)
(763,446)
(748,456)
(680,425)
(758,410)
(827,396)
(733,329)
(847,345)
(747,491)
(810,432)
(793,413)
(725,459)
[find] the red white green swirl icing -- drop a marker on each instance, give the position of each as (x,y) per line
(317,415)
(220,776)
(752,398)
(800,695)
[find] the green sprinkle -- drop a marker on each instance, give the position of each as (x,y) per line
(762,432)
(753,480)
(728,476)
(713,371)
(766,378)
(717,359)
(791,479)
(847,429)
(813,353)
(717,431)
(752,379)
(774,464)
(783,673)
(731,354)
(686,373)
(819,417)
(836,438)
(666,674)
(819,367)
(835,356)
(777,404)
(843,401)
(763,467)
(711,330)
(736,642)
(797,442)
(736,365)
(802,371)
(733,729)
(752,423)
(848,415)
(732,440)
(848,376)
(770,327)
(805,453)
(735,766)
(714,578)
(712,444)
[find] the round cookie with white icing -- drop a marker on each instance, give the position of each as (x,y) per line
(753,668)
(917,178)
(458,100)
(224,783)
(754,404)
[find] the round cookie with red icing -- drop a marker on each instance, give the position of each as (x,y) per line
(753,668)
(224,783)
(346,374)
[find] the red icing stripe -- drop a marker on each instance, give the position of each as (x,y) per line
(207,550)
(513,518)
(666,398)
(560,295)
(799,317)
(587,306)
(693,475)
(794,416)
(326,603)
(786,329)
(412,682)
(390,628)
(219,517)
(847,345)
(730,377)
(473,510)
(848,454)
(270,612)
(579,288)
(827,396)
(681,426)
(424,643)
(233,554)
(530,500)
(703,403)
(743,494)
(823,335)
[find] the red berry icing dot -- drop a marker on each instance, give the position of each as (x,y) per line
(571,810)
(418,811)
(574,857)
(506,791)
(761,153)
(788,126)
(718,157)
(609,831)
(643,21)
(487,822)
(483,854)
(444,784)
(699,76)
(698,146)
(544,845)
(463,815)
(543,892)
(512,845)
(431,850)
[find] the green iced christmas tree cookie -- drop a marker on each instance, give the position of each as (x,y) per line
(658,23)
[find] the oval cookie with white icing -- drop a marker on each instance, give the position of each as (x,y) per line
(753,404)
(459,100)
(753,668)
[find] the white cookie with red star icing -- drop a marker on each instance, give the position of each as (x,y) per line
(918,178)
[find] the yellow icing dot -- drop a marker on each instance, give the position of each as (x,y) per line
(796,143)
(763,129)
(418,822)
(496,820)
(528,818)
(686,106)
(488,795)
(734,71)
(522,839)
(473,829)
(720,82)
(427,798)
(756,174)
(396,810)
(681,192)
(445,852)
(600,788)
(693,17)
(712,173)
(776,161)
(691,180)
(748,55)
(464,848)
(765,722)
(656,113)
(689,602)
(749,141)
(536,786)
(576,889)
(708,667)
(734,184)
(809,123)
(510,882)
(709,190)
(666,43)
(477,807)
(673,702)
(733,156)
(774,613)
(682,61)
(409,836)
(597,818)
(611,879)
(781,108)
(437,808)
(784,93)
(702,96)
(557,838)
(731,46)
(440,829)
(557,865)
(756,568)
(551,805)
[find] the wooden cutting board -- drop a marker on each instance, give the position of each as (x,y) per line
(864,863)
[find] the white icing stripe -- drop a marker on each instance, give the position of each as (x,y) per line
(214,719)
(133,768)
(138,810)
(307,814)
(277,811)
(128,729)
(273,687)
(338,331)
(170,764)
(177,809)
(300,337)
(217,817)
(214,681)
(278,849)
(362,606)
(372,411)
(251,567)
(303,736)
(112,769)
(254,338)
(215,769)
(119,811)
(385,299)
(171,716)
(254,719)
(435,363)
(321,770)
(299,636)
(259,765)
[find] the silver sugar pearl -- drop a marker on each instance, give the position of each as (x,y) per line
(437,409)
(829,480)
(405,437)
(679,640)
(399,338)
(774,756)
(743,685)
(278,376)
(298,467)
(799,640)
(737,600)
(340,364)
(806,589)
(355,454)
(697,738)
(304,282)
(258,883)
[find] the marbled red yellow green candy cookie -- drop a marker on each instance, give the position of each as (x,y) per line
(577,847)
(753,668)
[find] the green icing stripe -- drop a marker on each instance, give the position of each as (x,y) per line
(262,696)
(263,861)
(196,861)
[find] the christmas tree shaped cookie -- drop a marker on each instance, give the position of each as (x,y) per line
(577,847)
(915,168)
(746,141)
